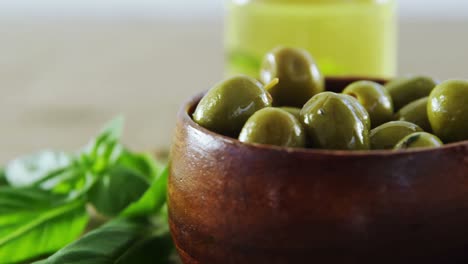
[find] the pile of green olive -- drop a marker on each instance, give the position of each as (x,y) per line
(289,107)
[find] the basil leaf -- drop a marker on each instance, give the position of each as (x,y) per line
(34,222)
(27,170)
(105,149)
(124,183)
(14,200)
(3,180)
(152,200)
(154,249)
(115,190)
(144,164)
(122,241)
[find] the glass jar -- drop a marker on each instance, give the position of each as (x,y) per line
(346,37)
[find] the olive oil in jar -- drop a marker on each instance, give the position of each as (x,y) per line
(346,37)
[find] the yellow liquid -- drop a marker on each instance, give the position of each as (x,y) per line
(345,38)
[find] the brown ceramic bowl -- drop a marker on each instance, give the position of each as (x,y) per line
(235,203)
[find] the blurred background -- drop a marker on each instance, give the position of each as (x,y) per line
(68,66)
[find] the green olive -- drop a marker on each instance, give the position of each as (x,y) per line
(375,99)
(416,113)
(407,90)
(448,110)
(273,126)
(360,110)
(386,136)
(419,140)
(332,122)
(299,76)
(226,107)
(296,112)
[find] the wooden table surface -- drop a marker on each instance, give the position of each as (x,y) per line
(61,80)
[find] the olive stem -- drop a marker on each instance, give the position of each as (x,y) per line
(271,84)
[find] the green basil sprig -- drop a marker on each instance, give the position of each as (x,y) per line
(43,201)
(34,222)
(122,241)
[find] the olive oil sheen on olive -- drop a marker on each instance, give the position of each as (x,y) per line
(345,37)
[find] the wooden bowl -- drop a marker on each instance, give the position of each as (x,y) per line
(231,202)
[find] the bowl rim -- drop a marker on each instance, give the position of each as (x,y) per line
(190,105)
